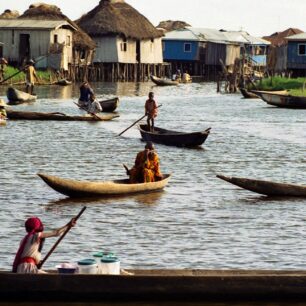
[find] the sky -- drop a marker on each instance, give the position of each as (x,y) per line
(258,18)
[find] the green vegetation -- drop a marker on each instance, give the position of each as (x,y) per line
(296,87)
(43,75)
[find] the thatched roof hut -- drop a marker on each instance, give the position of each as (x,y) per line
(42,11)
(8,14)
(172,25)
(278,39)
(115,17)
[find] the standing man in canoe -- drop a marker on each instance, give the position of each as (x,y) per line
(28,255)
(86,95)
(151,111)
(3,114)
(146,168)
(31,77)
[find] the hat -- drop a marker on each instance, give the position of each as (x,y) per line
(2,103)
(31,61)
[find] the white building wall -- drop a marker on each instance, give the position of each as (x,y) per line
(151,51)
(128,56)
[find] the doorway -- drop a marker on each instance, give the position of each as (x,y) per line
(24,48)
(138,55)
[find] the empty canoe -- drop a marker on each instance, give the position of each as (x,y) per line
(16,96)
(77,189)
(173,138)
(163,82)
(281,99)
(109,105)
(267,187)
(63,82)
(20,115)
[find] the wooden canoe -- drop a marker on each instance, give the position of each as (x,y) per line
(20,115)
(109,105)
(78,189)
(163,82)
(16,96)
(247,94)
(183,286)
(173,138)
(63,82)
(267,187)
(2,121)
(281,99)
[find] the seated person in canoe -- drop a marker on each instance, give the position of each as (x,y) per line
(3,114)
(31,77)
(28,255)
(86,95)
(94,107)
(186,77)
(151,111)
(146,168)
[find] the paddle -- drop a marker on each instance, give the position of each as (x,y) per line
(24,68)
(60,239)
(86,110)
(136,122)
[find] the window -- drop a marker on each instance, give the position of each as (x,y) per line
(55,37)
(187,47)
(123,45)
(68,40)
(302,49)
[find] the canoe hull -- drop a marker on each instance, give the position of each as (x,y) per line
(266,187)
(163,82)
(247,94)
(16,96)
(156,285)
(79,189)
(19,115)
(173,138)
(282,99)
(110,105)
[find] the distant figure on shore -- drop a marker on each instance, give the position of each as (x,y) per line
(28,255)
(151,111)
(31,77)
(86,95)
(3,64)
(3,114)
(146,168)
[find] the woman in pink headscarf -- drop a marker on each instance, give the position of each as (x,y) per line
(28,255)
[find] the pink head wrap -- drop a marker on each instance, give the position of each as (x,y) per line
(34,225)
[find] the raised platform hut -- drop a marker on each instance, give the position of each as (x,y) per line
(129,47)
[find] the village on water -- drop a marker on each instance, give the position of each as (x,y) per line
(150,163)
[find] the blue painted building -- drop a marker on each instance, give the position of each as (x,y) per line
(296,54)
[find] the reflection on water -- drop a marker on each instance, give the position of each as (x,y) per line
(198,221)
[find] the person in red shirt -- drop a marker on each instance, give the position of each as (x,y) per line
(151,111)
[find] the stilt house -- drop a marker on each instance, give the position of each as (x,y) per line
(129,47)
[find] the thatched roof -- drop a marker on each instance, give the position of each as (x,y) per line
(172,25)
(278,39)
(113,17)
(8,14)
(42,11)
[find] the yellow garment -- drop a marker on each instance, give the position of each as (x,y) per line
(30,75)
(3,113)
(146,168)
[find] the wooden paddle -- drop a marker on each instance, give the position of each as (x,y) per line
(136,121)
(86,110)
(60,239)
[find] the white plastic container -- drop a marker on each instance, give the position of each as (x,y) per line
(88,266)
(110,265)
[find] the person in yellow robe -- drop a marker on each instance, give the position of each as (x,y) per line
(146,168)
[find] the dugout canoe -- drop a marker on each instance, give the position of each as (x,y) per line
(79,189)
(182,286)
(2,121)
(163,82)
(16,96)
(247,94)
(109,105)
(63,82)
(173,138)
(281,99)
(20,115)
(267,188)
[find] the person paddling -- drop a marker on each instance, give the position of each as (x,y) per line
(31,77)
(86,95)
(28,255)
(151,111)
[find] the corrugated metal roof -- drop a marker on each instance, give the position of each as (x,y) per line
(301,36)
(33,24)
(217,36)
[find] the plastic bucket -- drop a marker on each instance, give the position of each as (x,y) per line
(98,256)
(88,266)
(110,265)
